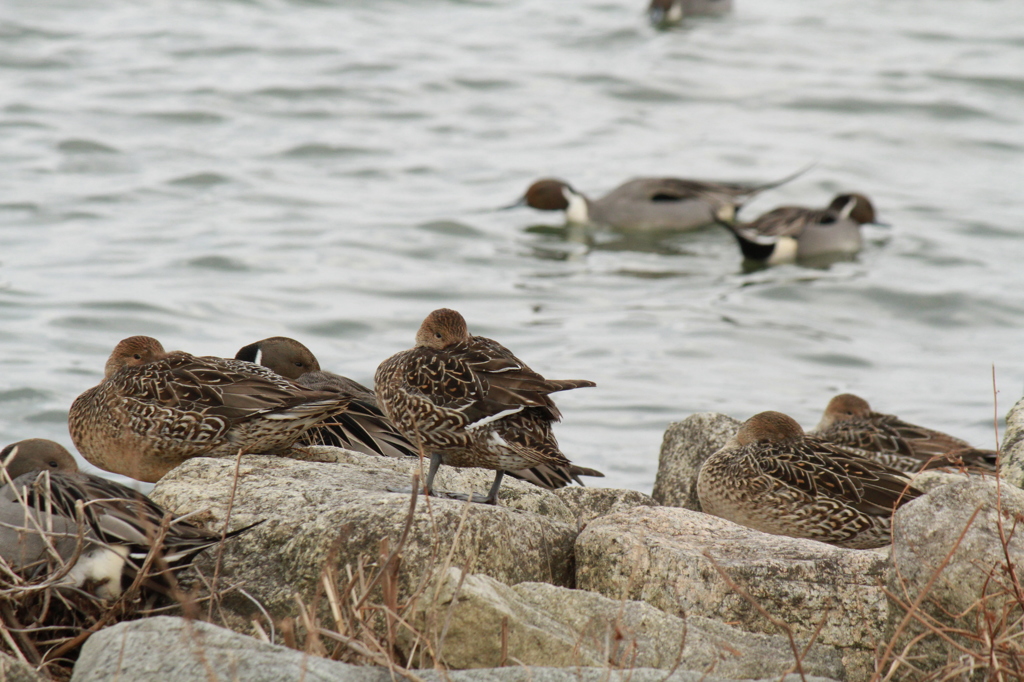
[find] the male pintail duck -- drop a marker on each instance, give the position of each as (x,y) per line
(120,525)
(154,409)
(789,233)
(471,402)
(850,422)
(647,204)
(364,427)
(664,13)
(772,477)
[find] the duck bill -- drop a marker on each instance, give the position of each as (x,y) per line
(517,204)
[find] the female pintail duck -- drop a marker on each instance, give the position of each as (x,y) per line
(850,422)
(773,478)
(120,525)
(646,204)
(471,402)
(789,233)
(664,13)
(154,409)
(364,427)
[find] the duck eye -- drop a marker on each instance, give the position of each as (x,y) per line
(299,364)
(137,356)
(53,464)
(437,335)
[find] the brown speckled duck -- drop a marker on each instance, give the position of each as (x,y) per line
(364,427)
(154,409)
(120,524)
(471,402)
(850,422)
(772,477)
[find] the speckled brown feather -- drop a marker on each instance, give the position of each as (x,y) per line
(471,400)
(797,485)
(151,414)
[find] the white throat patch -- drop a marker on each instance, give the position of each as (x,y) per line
(577,211)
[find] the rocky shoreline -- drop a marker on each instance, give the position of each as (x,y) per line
(575,583)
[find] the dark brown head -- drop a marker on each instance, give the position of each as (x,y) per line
(548,194)
(444,327)
(856,207)
(768,427)
(36,454)
(132,352)
(283,355)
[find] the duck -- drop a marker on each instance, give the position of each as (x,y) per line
(850,422)
(471,402)
(646,204)
(772,477)
(120,526)
(364,427)
(790,233)
(664,13)
(155,409)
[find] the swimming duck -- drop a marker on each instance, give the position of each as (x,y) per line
(154,409)
(772,477)
(788,233)
(665,13)
(850,422)
(120,525)
(471,402)
(364,427)
(646,204)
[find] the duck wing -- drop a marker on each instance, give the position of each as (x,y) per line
(824,471)
(233,390)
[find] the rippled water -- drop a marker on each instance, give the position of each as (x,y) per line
(213,172)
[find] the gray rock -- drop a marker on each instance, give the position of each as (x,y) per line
(555,626)
(331,514)
(1012,460)
(685,447)
(165,649)
(927,531)
(13,670)
(667,557)
(587,503)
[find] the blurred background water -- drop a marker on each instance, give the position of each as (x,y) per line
(212,172)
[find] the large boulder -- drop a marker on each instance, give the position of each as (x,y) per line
(958,559)
(686,445)
(481,623)
(1012,460)
(691,564)
(165,649)
(319,516)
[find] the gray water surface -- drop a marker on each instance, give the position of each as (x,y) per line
(212,172)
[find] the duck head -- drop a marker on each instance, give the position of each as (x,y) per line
(132,352)
(551,194)
(36,454)
(768,427)
(443,328)
(856,207)
(283,355)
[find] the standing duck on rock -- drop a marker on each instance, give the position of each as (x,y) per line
(364,427)
(470,402)
(773,478)
(154,409)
